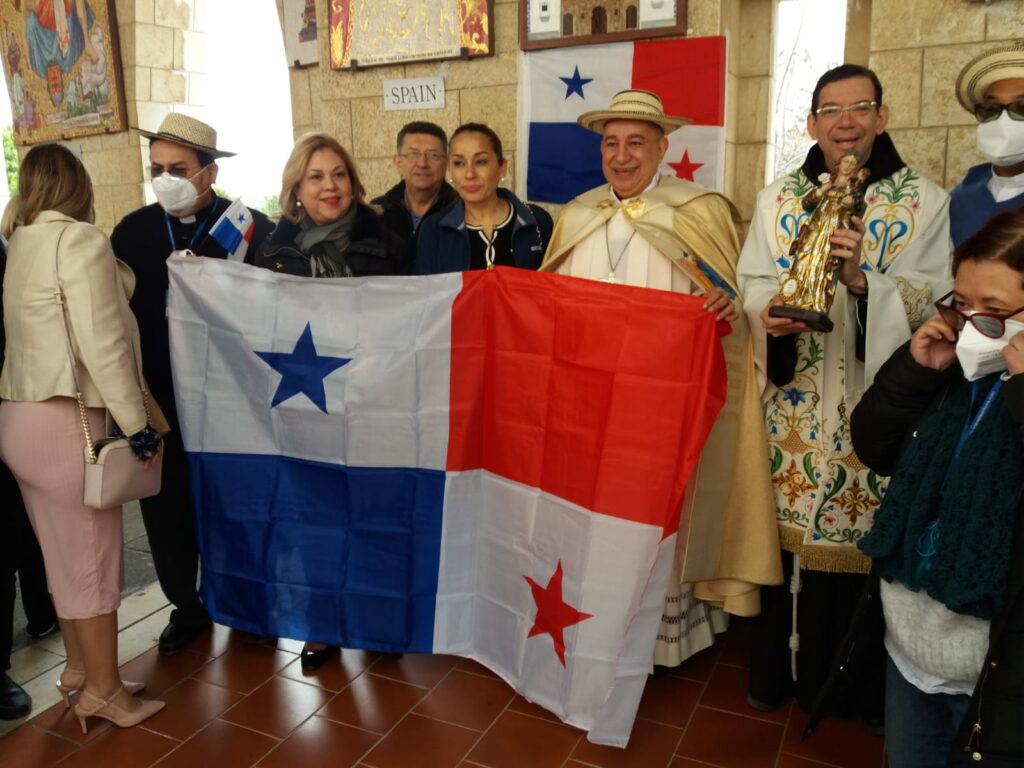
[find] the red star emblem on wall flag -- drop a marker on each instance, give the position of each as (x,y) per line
(553,614)
(684,168)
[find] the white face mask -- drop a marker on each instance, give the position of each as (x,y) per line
(978,354)
(175,194)
(1002,140)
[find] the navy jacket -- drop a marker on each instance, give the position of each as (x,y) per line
(971,203)
(443,239)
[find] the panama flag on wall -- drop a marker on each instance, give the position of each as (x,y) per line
(563,159)
(488,464)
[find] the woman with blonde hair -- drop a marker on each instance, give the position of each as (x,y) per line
(70,332)
(326,229)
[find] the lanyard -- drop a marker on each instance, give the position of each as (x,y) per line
(192,241)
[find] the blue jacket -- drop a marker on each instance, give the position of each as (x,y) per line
(971,203)
(443,239)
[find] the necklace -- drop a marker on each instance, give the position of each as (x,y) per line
(612,266)
(489,252)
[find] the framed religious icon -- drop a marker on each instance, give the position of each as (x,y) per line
(559,23)
(63,66)
(368,33)
(300,32)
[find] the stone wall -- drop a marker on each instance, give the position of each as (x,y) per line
(918,48)
(350,105)
(162,56)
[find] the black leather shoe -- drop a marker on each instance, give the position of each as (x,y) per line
(178,635)
(310,660)
(14,702)
(39,632)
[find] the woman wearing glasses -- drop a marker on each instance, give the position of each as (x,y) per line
(991,87)
(944,417)
(487,226)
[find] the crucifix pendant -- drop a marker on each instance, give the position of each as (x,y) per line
(610,278)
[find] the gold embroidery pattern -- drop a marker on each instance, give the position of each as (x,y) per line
(915,300)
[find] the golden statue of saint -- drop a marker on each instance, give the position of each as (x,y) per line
(808,289)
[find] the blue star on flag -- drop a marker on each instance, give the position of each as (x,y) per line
(241,218)
(302,370)
(575,83)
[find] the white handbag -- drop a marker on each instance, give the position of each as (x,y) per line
(113,476)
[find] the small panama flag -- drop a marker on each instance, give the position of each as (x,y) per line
(233,230)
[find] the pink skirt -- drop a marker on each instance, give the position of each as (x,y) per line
(83,549)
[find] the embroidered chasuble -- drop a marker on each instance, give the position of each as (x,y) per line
(825,497)
(727,521)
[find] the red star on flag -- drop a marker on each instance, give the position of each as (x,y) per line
(553,614)
(684,168)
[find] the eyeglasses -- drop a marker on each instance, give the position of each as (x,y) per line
(833,111)
(432,155)
(986,113)
(991,324)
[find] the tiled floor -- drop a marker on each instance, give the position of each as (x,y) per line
(232,704)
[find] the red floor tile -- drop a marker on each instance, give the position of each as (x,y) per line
(124,747)
(216,641)
(191,705)
(699,666)
(466,699)
(63,722)
(30,746)
(669,700)
(836,741)
(338,672)
(517,740)
(651,744)
(727,689)
(521,705)
(792,761)
(468,665)
(277,707)
(219,745)
(161,672)
(424,743)
(736,643)
(416,668)
(245,667)
(374,703)
(732,741)
(321,743)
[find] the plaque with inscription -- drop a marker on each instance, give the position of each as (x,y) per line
(368,33)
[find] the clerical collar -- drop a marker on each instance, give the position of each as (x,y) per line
(652,185)
(185,225)
(1005,187)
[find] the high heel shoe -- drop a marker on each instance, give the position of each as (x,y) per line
(116,714)
(77,681)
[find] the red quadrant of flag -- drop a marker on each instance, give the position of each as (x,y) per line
(696,91)
(599,394)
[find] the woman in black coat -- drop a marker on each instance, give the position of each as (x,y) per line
(326,230)
(944,417)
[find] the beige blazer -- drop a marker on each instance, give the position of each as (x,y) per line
(96,288)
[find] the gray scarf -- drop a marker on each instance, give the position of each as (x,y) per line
(326,243)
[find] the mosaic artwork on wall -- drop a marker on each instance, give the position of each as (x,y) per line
(300,32)
(367,33)
(63,66)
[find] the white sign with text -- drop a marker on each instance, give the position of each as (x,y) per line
(414,93)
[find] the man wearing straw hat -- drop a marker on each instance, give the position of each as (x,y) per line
(991,87)
(183,168)
(648,228)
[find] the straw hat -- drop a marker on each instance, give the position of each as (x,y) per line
(1003,63)
(633,105)
(182,129)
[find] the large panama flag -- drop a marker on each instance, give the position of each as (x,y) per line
(563,159)
(486,464)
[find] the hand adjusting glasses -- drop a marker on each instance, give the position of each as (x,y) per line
(991,324)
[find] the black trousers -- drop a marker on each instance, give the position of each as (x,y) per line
(824,611)
(171,528)
(20,554)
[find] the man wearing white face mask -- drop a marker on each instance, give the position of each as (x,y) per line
(183,168)
(991,87)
